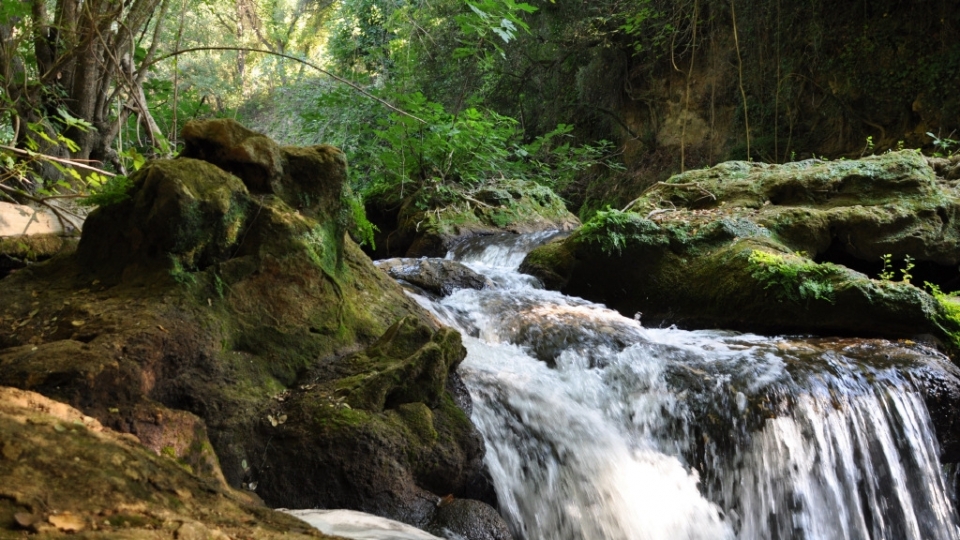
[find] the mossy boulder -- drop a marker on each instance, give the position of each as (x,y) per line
(310,179)
(379,428)
(427,222)
(776,248)
(189,305)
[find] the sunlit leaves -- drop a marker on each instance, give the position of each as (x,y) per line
(499,17)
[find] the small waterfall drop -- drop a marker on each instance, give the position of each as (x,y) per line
(599,428)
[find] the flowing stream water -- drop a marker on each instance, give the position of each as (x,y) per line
(599,428)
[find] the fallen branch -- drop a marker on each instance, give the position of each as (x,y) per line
(70,162)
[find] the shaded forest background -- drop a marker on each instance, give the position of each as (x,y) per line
(595,99)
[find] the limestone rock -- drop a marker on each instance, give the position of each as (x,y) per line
(437,276)
(62,472)
(309,179)
(774,248)
(183,212)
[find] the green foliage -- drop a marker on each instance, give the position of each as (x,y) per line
(113,191)
(887,273)
(360,227)
(950,305)
(486,17)
(793,278)
(455,153)
(907,266)
(180,274)
(613,230)
(945,146)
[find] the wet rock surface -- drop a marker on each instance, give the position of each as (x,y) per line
(436,276)
(379,429)
(469,519)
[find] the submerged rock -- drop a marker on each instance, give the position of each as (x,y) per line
(776,248)
(192,308)
(437,276)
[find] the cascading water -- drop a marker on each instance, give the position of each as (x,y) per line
(599,428)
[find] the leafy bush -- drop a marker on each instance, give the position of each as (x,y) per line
(613,230)
(451,154)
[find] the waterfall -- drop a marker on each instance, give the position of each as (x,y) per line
(599,428)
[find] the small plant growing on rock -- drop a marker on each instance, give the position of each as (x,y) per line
(613,229)
(887,273)
(950,303)
(946,146)
(907,266)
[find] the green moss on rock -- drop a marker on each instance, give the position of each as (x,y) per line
(747,246)
(429,221)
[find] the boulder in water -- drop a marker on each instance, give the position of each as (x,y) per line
(470,520)
(376,431)
(776,248)
(436,276)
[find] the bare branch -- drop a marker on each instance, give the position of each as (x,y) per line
(70,162)
(351,84)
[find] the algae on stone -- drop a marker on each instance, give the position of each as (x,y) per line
(381,426)
(773,248)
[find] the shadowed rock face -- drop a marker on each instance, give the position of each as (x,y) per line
(768,248)
(378,429)
(193,309)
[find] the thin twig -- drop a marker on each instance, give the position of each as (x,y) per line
(697,185)
(64,220)
(72,163)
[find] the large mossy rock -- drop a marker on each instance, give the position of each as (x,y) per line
(775,248)
(62,473)
(190,305)
(429,221)
(378,429)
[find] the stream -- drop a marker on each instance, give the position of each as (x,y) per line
(597,427)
